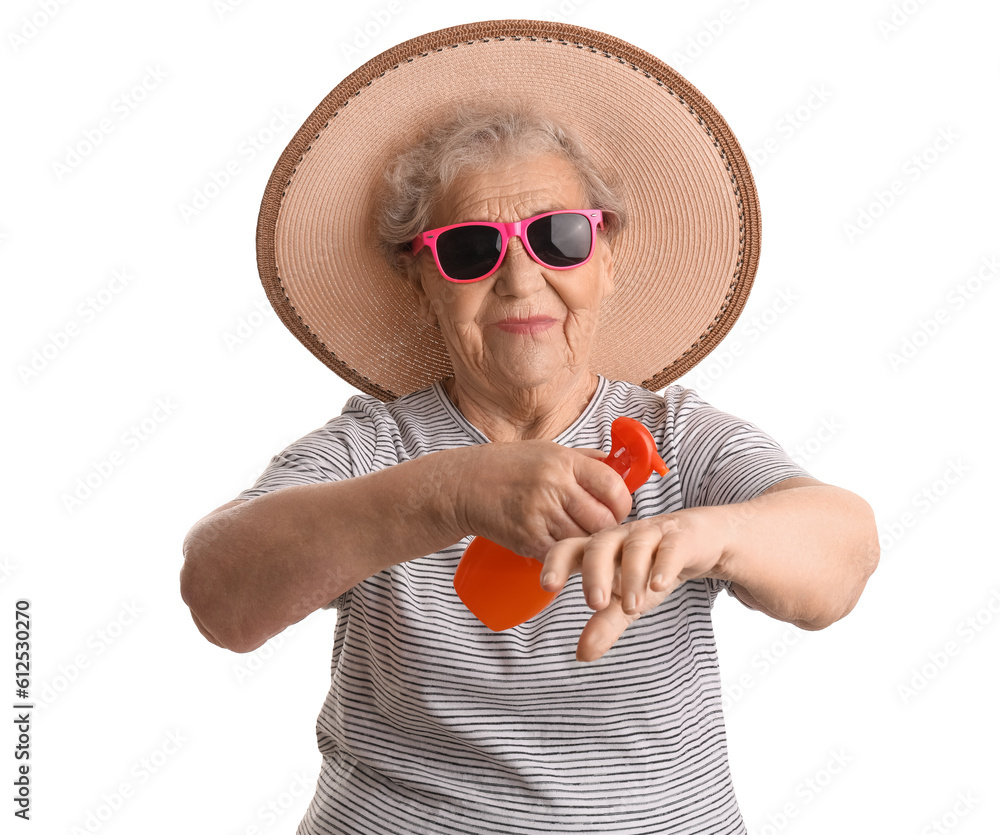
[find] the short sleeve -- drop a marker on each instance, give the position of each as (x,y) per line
(722,459)
(357,442)
(286,469)
(354,443)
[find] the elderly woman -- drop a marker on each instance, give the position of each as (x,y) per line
(506,233)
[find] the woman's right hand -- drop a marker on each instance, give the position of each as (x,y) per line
(529,495)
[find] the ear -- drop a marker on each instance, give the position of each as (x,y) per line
(606,258)
(415,277)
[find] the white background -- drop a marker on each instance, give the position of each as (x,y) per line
(143,726)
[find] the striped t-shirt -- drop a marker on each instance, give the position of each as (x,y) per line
(435,724)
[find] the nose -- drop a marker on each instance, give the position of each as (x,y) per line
(519,275)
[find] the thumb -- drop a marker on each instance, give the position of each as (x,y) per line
(591,453)
(603,630)
(604,484)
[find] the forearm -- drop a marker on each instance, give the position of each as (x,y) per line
(252,569)
(802,554)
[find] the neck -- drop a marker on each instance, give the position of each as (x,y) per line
(523,414)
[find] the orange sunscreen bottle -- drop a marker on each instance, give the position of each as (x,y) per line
(503,589)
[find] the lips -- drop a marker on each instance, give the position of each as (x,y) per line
(528,325)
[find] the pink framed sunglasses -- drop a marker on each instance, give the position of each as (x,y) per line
(473,251)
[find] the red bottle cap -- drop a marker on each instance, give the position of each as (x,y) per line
(633,453)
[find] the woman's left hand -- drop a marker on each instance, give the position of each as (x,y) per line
(630,569)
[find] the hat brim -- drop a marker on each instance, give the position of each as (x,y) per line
(683,267)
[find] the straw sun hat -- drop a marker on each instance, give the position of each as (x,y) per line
(684,265)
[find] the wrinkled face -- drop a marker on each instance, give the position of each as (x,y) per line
(526,325)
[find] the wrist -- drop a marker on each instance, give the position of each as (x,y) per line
(454,488)
(725,523)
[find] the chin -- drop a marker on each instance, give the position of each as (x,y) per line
(533,375)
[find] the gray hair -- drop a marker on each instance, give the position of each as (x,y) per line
(477,139)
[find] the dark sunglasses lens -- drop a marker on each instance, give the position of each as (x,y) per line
(468,252)
(561,240)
